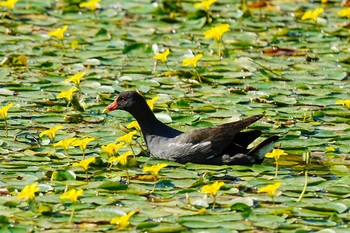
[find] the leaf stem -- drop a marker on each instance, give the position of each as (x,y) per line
(67,155)
(276,172)
(305,186)
(63,47)
(133,152)
(154,184)
(6,128)
(127,175)
(197,74)
(219,48)
(72,213)
(214,201)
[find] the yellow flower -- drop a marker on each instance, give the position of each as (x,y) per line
(75,78)
(51,133)
(213,188)
(82,143)
(330,149)
(28,192)
(122,159)
(67,94)
(312,14)
(84,163)
(9,4)
(58,33)
(65,143)
(154,169)
(111,148)
(123,221)
(270,189)
(217,32)
(4,110)
(205,4)
(134,124)
(276,153)
(192,61)
(71,195)
(151,102)
(344,102)
(344,12)
(127,138)
(162,56)
(92,5)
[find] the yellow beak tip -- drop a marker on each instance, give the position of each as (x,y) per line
(106,110)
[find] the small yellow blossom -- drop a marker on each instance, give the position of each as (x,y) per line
(135,125)
(345,103)
(270,189)
(51,133)
(122,159)
(4,115)
(330,149)
(84,163)
(127,138)
(92,4)
(123,221)
(112,148)
(205,4)
(162,56)
(82,143)
(28,193)
(65,143)
(9,4)
(217,32)
(58,33)
(213,188)
(75,78)
(192,61)
(276,153)
(4,110)
(154,169)
(344,12)
(312,14)
(68,95)
(71,195)
(150,102)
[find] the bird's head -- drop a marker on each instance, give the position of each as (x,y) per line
(127,101)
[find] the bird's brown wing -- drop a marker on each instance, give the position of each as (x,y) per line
(213,140)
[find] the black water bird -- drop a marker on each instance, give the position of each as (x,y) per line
(221,144)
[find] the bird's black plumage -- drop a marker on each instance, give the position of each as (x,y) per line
(222,144)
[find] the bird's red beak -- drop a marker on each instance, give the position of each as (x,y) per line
(113,106)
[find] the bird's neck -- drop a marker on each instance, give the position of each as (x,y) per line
(150,125)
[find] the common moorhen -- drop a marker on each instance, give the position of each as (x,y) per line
(222,144)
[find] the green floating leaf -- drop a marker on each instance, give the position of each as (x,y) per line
(319,223)
(61,175)
(146,225)
(328,206)
(112,185)
(339,169)
(133,47)
(166,227)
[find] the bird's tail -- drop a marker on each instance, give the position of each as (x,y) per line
(260,150)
